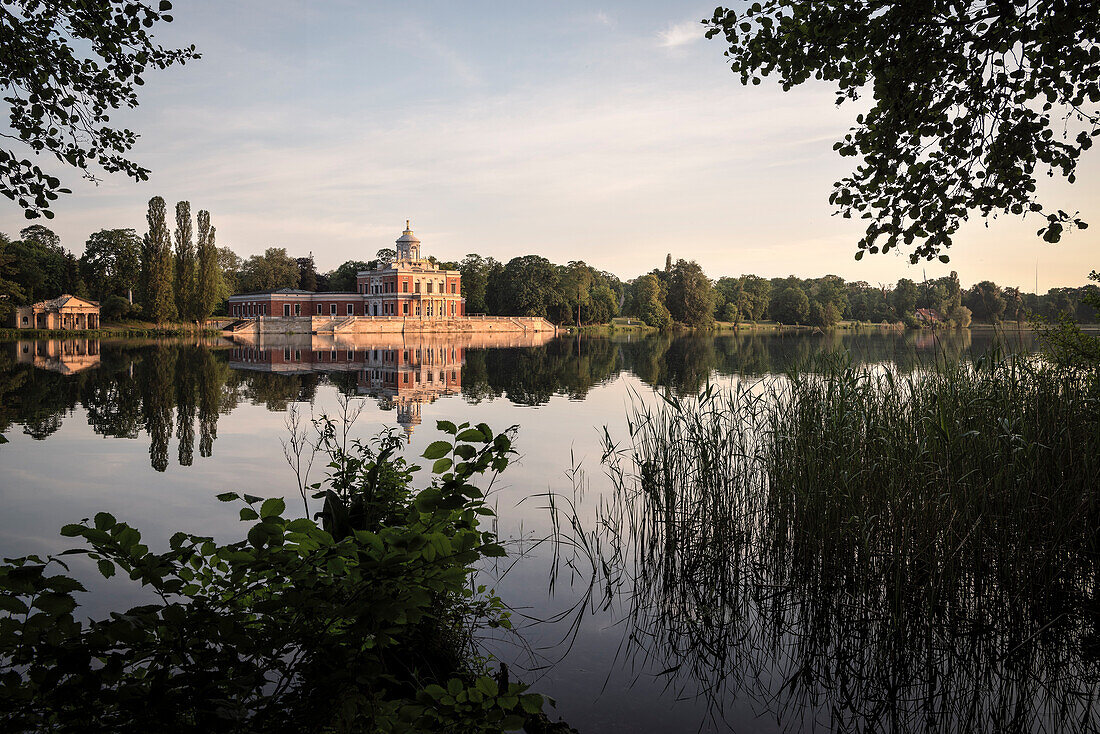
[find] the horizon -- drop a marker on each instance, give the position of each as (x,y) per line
(613,136)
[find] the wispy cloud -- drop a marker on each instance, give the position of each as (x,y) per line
(681,34)
(603,18)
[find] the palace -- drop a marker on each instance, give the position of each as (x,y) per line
(409,287)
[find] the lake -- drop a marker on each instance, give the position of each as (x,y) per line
(152,430)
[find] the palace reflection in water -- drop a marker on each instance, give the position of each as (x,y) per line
(403,375)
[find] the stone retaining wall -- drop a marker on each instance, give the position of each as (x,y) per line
(393,325)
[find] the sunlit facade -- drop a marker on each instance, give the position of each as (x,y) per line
(407,287)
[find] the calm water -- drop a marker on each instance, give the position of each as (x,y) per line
(152,431)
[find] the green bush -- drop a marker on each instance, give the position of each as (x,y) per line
(116,308)
(362,622)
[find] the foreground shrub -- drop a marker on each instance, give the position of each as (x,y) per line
(362,623)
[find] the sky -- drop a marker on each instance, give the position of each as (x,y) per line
(611,134)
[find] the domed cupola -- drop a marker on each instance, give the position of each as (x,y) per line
(408,247)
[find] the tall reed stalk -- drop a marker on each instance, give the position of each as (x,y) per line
(868,551)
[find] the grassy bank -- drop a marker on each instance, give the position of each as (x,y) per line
(120,329)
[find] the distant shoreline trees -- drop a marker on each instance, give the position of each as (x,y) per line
(118,264)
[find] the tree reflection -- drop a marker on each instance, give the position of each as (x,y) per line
(162,388)
(847,610)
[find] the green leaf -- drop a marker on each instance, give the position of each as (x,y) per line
(72,530)
(104,520)
(228,496)
(472,434)
(55,604)
(107,569)
(257,535)
(437,449)
(252,499)
(272,507)
(12,605)
(428,500)
(247,513)
(441,465)
(446,427)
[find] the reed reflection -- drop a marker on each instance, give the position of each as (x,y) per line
(928,577)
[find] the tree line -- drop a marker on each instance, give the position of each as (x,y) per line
(681,293)
(181,274)
(166,275)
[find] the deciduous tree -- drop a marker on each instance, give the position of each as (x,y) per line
(208,286)
(185,265)
(690,295)
(270,271)
(10,291)
(344,278)
(159,300)
(648,302)
(790,306)
(986,301)
(65,66)
(111,263)
(970,101)
(904,298)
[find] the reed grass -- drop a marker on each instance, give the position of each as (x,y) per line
(862,550)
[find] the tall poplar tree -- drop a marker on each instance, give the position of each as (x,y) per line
(159,302)
(147,257)
(206,287)
(186,305)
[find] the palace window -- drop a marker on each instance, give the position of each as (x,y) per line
(318,309)
(404,286)
(332,309)
(454,288)
(351,309)
(429,286)
(406,306)
(297,309)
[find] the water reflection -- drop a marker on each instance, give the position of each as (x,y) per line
(809,634)
(179,388)
(65,356)
(402,375)
(943,604)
